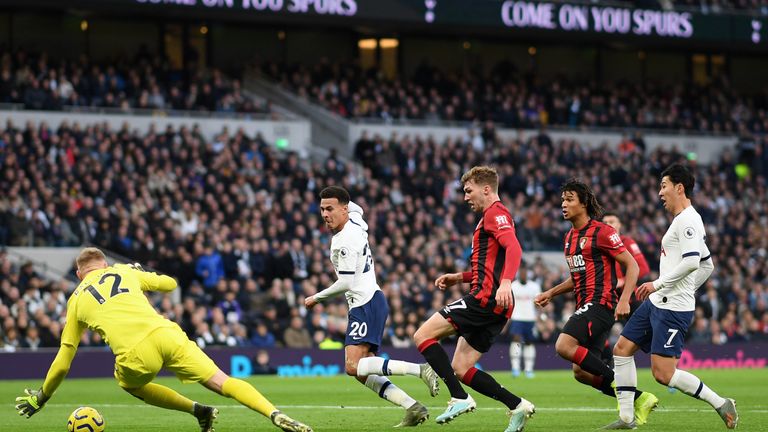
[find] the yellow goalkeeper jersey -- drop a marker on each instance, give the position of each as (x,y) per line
(111,301)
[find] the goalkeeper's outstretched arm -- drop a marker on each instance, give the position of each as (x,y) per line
(151,281)
(34,400)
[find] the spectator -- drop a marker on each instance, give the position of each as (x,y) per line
(262,337)
(297,336)
(261,364)
(32,339)
(210,268)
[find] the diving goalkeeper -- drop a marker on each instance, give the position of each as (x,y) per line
(110,300)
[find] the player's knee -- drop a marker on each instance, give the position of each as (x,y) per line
(621,348)
(563,349)
(662,376)
(419,336)
(460,369)
(351,370)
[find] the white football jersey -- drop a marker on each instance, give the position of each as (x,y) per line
(524,294)
(351,256)
(684,238)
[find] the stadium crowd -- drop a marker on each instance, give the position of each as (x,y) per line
(144,82)
(513,98)
(237,223)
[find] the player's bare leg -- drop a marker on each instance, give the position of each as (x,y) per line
(415,412)
(248,396)
(426,337)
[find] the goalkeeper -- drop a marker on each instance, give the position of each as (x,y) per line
(110,300)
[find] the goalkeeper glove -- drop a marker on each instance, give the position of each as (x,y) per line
(136,266)
(30,404)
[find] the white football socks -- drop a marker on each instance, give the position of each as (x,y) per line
(388,391)
(529,357)
(691,385)
(625,376)
(381,366)
(515,352)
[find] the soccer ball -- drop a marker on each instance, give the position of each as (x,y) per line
(85,419)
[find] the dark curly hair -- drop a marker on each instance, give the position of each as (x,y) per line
(586,196)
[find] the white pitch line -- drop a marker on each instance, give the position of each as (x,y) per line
(365,408)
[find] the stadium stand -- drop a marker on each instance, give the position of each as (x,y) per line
(520,99)
(144,82)
(236,221)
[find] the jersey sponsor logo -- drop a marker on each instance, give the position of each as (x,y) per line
(502,222)
(689,232)
(576,263)
(615,239)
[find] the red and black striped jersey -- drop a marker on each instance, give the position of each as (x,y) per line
(496,255)
(637,254)
(590,253)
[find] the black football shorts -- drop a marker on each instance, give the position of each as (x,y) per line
(478,325)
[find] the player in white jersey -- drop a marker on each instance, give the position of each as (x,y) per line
(659,325)
(523,322)
(368,310)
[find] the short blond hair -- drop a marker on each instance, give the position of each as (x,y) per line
(482,175)
(89,255)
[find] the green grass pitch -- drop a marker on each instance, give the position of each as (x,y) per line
(341,404)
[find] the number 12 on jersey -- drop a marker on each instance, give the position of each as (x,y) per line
(115,287)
